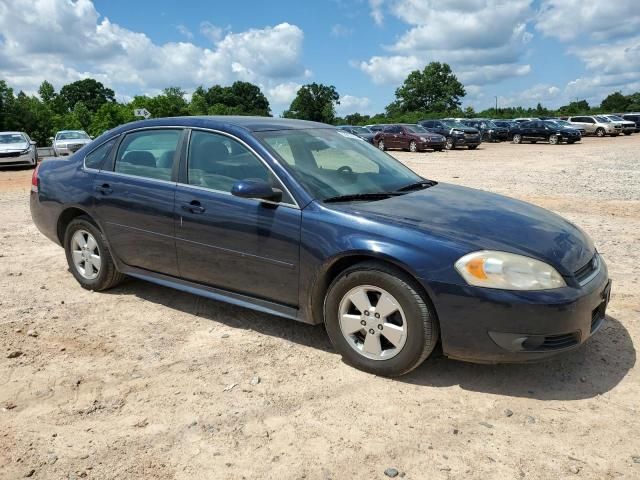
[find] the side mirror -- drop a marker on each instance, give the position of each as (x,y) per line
(32,142)
(256,189)
(51,139)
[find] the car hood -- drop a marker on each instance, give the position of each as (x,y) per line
(12,147)
(367,136)
(469,130)
(482,220)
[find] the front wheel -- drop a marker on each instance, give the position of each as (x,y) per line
(379,321)
(628,133)
(517,138)
(554,139)
(472,147)
(413,147)
(88,257)
(450,145)
(381,145)
(600,132)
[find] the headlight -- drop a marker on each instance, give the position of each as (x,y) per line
(422,139)
(491,130)
(507,271)
(26,150)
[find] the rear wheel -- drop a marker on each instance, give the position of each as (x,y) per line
(413,147)
(472,147)
(381,145)
(378,320)
(517,138)
(88,257)
(600,132)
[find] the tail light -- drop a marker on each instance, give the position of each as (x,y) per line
(34,179)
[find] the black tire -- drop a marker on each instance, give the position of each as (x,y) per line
(437,149)
(420,318)
(571,142)
(108,276)
(600,132)
(628,133)
(450,144)
(472,147)
(517,138)
(555,140)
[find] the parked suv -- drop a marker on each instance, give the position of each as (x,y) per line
(408,137)
(595,125)
(545,130)
(456,134)
(628,127)
(633,117)
(489,130)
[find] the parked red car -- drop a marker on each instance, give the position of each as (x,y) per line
(408,137)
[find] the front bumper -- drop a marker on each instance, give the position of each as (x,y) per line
(498,326)
(460,141)
(432,145)
(14,158)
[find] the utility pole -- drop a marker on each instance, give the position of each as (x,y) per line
(496,105)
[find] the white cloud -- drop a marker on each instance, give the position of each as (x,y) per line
(483,40)
(64,41)
(580,20)
(211,31)
(283,94)
(185,31)
(340,31)
(376,11)
(351,104)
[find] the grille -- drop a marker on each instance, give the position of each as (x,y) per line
(597,317)
(9,154)
(585,273)
(551,342)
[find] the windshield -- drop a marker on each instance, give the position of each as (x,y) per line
(330,163)
(453,124)
(76,135)
(615,118)
(7,138)
(603,119)
(416,128)
(360,130)
(552,123)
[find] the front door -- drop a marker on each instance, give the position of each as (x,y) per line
(241,245)
(134,200)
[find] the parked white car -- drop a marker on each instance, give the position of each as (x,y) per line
(628,127)
(16,148)
(67,142)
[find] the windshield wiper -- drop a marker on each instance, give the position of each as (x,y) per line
(417,186)
(354,197)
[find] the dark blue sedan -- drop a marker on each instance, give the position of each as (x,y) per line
(302,220)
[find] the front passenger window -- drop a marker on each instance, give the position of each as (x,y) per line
(218,162)
(148,153)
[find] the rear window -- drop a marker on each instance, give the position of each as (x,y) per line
(96,158)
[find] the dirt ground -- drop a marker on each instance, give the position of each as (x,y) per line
(147,382)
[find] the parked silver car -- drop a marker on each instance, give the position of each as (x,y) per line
(596,125)
(16,148)
(67,142)
(628,127)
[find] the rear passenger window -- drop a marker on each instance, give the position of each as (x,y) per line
(97,157)
(148,154)
(218,162)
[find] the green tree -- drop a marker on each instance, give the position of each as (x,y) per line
(575,108)
(316,102)
(435,89)
(110,115)
(615,102)
(89,91)
(6,105)
(356,119)
(47,92)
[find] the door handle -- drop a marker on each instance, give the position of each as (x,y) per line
(193,207)
(105,189)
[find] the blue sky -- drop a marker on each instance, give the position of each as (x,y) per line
(523,51)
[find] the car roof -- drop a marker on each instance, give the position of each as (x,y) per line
(253,124)
(12,133)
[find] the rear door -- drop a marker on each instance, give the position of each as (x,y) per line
(134,199)
(237,244)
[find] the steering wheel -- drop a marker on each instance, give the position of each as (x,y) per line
(345,169)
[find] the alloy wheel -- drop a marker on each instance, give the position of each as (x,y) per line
(449,145)
(381,145)
(86,254)
(373,322)
(412,146)
(517,138)
(553,139)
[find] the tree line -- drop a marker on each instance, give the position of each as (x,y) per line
(88,105)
